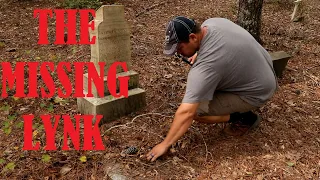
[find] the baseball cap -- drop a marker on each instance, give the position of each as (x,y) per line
(178,29)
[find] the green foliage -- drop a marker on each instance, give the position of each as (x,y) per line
(50,108)
(11,118)
(5,108)
(10,166)
(19,125)
(2,161)
(7,131)
(7,127)
(290,164)
(2,44)
(46,158)
(82,4)
(83,159)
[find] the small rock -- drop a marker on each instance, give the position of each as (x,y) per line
(297,91)
(129,151)
(293,80)
(11,50)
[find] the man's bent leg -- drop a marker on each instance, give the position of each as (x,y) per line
(227,107)
(203,115)
(212,119)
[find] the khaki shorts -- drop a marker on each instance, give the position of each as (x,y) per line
(224,103)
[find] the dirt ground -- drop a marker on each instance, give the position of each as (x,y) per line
(285,146)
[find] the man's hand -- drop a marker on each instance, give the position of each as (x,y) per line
(182,121)
(193,58)
(157,151)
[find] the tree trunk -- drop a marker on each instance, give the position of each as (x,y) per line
(249,16)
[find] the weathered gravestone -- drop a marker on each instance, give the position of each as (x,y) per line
(280,60)
(112,45)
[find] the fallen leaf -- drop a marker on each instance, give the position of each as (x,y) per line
(291,103)
(58,100)
(5,108)
(11,118)
(40,127)
(168,76)
(249,173)
(268,156)
(2,44)
(176,159)
(46,158)
(35,125)
(53,58)
(270,119)
(7,131)
(172,150)
(42,105)
(2,161)
(23,109)
(19,125)
(15,98)
(10,166)
(6,124)
(83,159)
(37,58)
(260,177)
(35,132)
(50,108)
(183,145)
(290,164)
(64,170)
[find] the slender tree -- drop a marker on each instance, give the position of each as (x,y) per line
(249,16)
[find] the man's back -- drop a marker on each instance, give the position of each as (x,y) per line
(230,60)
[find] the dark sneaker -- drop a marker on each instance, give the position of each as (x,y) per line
(245,123)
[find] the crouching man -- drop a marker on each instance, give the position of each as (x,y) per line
(231,75)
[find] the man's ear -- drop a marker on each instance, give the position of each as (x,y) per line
(193,37)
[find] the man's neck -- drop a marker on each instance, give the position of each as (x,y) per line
(202,34)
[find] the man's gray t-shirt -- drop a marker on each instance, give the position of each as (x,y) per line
(230,60)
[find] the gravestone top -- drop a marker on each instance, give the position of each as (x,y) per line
(279,55)
(110,13)
(112,37)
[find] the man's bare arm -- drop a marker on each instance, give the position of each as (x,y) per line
(182,121)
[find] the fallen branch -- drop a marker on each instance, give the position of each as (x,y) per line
(132,121)
(296,15)
(205,144)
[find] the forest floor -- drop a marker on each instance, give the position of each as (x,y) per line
(285,146)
